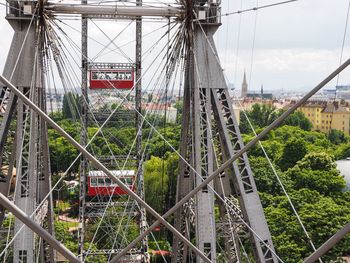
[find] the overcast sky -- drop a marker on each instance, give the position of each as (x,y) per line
(296,44)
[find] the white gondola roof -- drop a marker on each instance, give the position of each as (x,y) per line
(118,173)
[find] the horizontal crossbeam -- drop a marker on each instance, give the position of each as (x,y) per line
(120,11)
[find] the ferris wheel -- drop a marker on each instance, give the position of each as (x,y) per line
(114,67)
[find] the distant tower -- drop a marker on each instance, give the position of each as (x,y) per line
(262,91)
(244,87)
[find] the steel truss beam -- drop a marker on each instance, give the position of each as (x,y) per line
(138,129)
(30,223)
(133,12)
(30,150)
(83,169)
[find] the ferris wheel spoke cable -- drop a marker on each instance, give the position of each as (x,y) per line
(240,218)
(144,36)
(112,41)
(141,125)
(44,200)
(343,42)
(238,44)
(121,46)
(129,197)
(147,143)
(256,8)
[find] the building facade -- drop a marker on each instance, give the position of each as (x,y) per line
(325,116)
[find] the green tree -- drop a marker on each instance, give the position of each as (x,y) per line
(321,215)
(337,137)
(156,182)
(261,115)
(294,150)
(317,171)
(265,178)
(298,119)
(71,105)
(342,151)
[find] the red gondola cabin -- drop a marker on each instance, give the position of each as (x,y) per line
(99,184)
(111,75)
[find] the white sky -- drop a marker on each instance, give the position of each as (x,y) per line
(296,44)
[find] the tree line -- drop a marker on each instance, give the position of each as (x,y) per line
(304,161)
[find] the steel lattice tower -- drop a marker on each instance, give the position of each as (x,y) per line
(24,66)
(208,116)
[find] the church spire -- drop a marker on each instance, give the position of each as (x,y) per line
(244,86)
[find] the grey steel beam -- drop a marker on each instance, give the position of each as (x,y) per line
(115,10)
(138,128)
(229,162)
(101,167)
(84,136)
(185,175)
(202,151)
(44,179)
(18,213)
(329,244)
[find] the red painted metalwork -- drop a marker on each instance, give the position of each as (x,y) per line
(111,76)
(101,185)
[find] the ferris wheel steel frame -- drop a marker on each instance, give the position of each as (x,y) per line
(203,99)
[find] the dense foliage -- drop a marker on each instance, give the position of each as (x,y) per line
(303,160)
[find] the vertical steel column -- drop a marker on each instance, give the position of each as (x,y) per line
(185,175)
(203,148)
(138,123)
(83,140)
(27,76)
(44,180)
(243,179)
